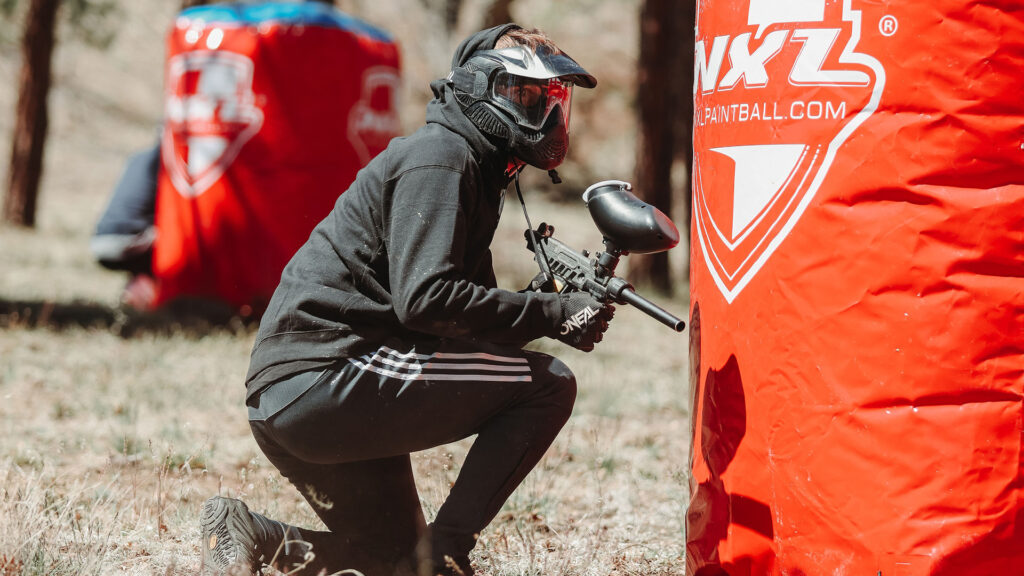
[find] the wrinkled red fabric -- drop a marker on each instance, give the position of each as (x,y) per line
(857,289)
(266,124)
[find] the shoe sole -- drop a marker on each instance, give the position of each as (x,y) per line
(220,550)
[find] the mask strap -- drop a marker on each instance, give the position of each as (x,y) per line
(472,83)
(535,244)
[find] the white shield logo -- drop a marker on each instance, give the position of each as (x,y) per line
(373,121)
(210,113)
(778,87)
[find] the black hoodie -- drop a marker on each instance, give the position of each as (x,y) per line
(404,255)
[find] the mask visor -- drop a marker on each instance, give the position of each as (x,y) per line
(531,100)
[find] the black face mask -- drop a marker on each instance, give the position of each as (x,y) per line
(545,148)
(489,88)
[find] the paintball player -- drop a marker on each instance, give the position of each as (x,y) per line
(387,334)
(125,233)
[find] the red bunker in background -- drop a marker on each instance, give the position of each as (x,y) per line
(270,111)
(857,289)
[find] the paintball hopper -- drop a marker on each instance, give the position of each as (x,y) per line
(627,223)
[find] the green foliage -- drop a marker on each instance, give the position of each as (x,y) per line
(94,22)
(8,26)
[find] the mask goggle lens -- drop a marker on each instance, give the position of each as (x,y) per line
(531,100)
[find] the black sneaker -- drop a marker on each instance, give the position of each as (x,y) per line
(229,537)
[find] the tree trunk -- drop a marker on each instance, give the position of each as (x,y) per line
(659,104)
(499,12)
(30,124)
(684,118)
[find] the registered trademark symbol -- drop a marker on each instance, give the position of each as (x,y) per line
(888,25)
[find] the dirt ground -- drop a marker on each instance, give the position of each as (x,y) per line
(116,426)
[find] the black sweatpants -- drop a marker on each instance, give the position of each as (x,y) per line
(343,437)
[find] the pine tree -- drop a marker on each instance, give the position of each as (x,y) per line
(26,166)
(664,108)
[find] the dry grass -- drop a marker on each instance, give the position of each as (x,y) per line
(116,427)
(112,442)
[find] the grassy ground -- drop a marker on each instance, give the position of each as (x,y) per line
(117,426)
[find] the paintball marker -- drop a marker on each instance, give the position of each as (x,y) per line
(628,225)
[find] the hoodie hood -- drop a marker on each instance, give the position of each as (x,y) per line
(482,40)
(444,110)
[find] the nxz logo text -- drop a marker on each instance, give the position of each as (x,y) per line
(809,66)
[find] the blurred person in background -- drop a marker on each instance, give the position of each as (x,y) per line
(388,335)
(125,233)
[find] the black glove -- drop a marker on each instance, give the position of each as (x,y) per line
(584,320)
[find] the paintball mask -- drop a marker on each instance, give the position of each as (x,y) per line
(522,97)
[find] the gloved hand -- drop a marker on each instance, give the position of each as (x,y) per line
(584,320)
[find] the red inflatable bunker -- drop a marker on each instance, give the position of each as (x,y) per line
(270,110)
(857,289)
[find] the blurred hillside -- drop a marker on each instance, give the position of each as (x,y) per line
(109,99)
(106,101)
